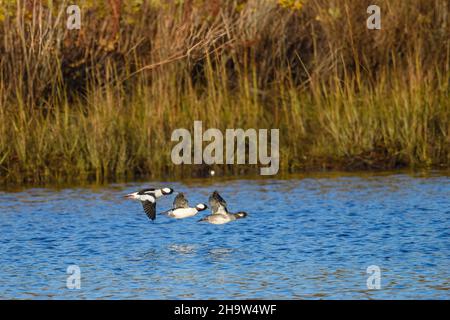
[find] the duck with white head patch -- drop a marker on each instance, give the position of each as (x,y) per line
(181,208)
(220,214)
(148,199)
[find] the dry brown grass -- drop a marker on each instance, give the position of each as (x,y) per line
(102,102)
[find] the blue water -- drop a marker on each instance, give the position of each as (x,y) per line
(308,237)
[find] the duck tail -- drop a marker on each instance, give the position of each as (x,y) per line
(240,215)
(165,212)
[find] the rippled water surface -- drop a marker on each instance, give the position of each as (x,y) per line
(304,238)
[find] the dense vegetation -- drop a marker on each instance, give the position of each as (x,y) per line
(101,102)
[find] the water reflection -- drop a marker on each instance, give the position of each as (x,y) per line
(220,254)
(182,249)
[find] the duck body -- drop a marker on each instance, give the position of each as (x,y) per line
(181,209)
(182,213)
(223,218)
(156,193)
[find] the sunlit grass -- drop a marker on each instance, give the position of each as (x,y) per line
(342,98)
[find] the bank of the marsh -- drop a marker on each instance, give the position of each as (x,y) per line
(101,103)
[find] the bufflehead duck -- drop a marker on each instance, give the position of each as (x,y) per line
(181,208)
(148,199)
(220,214)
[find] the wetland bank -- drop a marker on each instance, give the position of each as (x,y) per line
(100,103)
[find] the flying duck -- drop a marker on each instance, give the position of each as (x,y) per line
(181,208)
(220,214)
(148,199)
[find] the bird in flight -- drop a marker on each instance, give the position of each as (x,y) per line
(181,209)
(148,199)
(220,214)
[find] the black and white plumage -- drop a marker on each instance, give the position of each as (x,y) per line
(157,193)
(181,209)
(148,199)
(220,214)
(150,208)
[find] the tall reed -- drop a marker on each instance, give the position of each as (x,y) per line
(101,103)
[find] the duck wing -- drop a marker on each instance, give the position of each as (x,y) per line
(180,201)
(150,209)
(218,204)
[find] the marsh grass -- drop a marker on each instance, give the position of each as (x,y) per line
(99,104)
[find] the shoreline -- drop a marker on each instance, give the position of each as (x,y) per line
(300,174)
